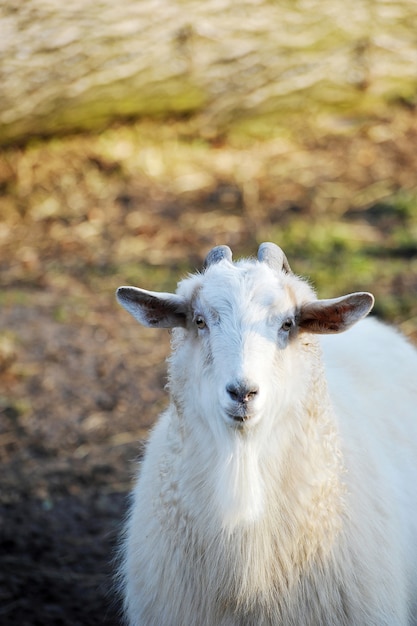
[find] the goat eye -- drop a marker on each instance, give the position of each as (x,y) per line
(287,325)
(200,322)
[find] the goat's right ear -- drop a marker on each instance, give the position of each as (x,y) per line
(336,315)
(156,310)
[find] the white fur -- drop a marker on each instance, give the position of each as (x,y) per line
(306,513)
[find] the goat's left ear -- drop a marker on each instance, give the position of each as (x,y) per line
(152,309)
(336,315)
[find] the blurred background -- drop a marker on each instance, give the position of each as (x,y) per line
(134,136)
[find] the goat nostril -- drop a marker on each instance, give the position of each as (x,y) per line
(232,391)
(242,393)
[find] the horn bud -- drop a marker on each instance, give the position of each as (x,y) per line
(272,255)
(217,254)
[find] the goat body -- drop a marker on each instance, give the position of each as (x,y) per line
(280,485)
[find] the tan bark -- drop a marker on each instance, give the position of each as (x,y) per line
(66,66)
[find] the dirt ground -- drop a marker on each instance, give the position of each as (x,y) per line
(80,382)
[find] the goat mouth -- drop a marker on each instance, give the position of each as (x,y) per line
(239,417)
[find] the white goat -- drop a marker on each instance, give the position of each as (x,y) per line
(279,487)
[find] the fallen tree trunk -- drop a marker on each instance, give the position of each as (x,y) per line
(78,65)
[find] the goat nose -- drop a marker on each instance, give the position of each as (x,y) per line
(242,392)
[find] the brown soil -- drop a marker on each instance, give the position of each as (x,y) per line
(80,381)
